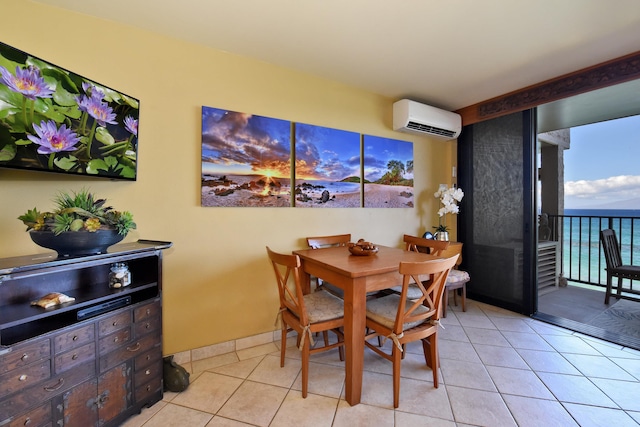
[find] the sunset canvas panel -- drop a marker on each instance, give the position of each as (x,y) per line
(246,160)
(388,173)
(327,167)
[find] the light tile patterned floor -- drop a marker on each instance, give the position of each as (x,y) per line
(498,369)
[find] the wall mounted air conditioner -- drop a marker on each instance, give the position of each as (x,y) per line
(414,117)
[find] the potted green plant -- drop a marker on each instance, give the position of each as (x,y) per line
(80,224)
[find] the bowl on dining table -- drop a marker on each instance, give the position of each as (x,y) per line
(362,248)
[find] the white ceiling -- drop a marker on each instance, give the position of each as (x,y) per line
(446,53)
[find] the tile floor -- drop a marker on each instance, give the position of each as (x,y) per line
(498,368)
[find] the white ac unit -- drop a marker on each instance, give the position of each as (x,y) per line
(414,117)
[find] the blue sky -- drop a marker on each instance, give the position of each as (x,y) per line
(602,168)
(326,154)
(378,151)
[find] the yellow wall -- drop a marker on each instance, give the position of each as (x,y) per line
(218,283)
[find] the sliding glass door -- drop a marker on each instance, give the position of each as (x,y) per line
(497,221)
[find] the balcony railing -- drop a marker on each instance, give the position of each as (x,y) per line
(580,251)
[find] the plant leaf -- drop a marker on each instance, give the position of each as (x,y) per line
(96,165)
(8,152)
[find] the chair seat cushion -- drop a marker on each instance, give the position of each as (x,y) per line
(456,276)
(413,292)
(384,311)
(322,306)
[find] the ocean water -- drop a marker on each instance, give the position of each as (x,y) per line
(334,187)
(583,259)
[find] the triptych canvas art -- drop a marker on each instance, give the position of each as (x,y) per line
(256,161)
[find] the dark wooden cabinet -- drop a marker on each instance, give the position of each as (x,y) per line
(94,361)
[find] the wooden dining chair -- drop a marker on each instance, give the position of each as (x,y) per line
(305,314)
(419,244)
(402,319)
(457,279)
(615,268)
(327,242)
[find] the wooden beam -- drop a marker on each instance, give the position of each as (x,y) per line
(619,70)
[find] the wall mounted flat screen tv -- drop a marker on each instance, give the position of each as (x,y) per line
(54,120)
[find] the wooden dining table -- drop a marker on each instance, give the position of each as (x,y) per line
(356,276)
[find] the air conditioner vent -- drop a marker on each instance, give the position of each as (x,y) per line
(413,117)
(430,129)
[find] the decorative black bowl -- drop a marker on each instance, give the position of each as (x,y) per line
(74,243)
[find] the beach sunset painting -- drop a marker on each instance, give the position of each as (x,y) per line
(327,167)
(246,160)
(388,173)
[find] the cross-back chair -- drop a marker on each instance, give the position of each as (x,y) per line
(615,268)
(419,244)
(402,319)
(327,242)
(457,279)
(305,314)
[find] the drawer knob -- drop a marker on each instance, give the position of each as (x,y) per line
(147,372)
(75,338)
(24,357)
(148,325)
(115,323)
(74,357)
(27,421)
(148,311)
(116,339)
(22,377)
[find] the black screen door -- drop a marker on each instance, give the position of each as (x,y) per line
(496,170)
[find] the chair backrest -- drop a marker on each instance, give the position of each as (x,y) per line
(420,244)
(454,248)
(288,278)
(610,247)
(415,273)
(326,241)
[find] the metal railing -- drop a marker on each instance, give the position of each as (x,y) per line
(582,259)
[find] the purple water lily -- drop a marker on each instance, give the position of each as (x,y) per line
(97,109)
(131,125)
(53,140)
(27,81)
(93,91)
(94,106)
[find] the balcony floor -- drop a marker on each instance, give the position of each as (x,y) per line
(582,309)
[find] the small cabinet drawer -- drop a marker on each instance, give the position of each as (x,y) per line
(145,392)
(22,378)
(115,340)
(145,326)
(114,323)
(148,373)
(147,311)
(24,354)
(75,357)
(74,338)
(147,358)
(39,417)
